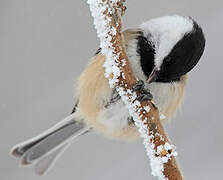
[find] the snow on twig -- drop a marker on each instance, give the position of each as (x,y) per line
(106,20)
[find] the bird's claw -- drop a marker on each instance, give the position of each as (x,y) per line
(144,94)
(139,85)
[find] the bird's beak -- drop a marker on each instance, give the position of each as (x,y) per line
(153,76)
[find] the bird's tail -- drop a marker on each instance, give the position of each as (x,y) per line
(44,149)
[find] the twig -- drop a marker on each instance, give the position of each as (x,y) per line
(107,19)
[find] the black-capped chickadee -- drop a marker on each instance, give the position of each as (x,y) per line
(161,52)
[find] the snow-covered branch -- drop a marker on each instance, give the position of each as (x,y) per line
(107,20)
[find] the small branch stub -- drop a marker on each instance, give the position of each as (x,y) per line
(107,20)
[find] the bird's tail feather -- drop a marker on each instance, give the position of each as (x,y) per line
(45,148)
(46,162)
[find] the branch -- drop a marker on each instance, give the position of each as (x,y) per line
(107,20)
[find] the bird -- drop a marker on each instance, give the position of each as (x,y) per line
(161,53)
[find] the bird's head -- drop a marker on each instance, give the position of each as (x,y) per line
(169,47)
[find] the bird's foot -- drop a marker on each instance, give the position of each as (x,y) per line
(139,85)
(145,95)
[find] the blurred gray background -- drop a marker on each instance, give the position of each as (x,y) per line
(44,46)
